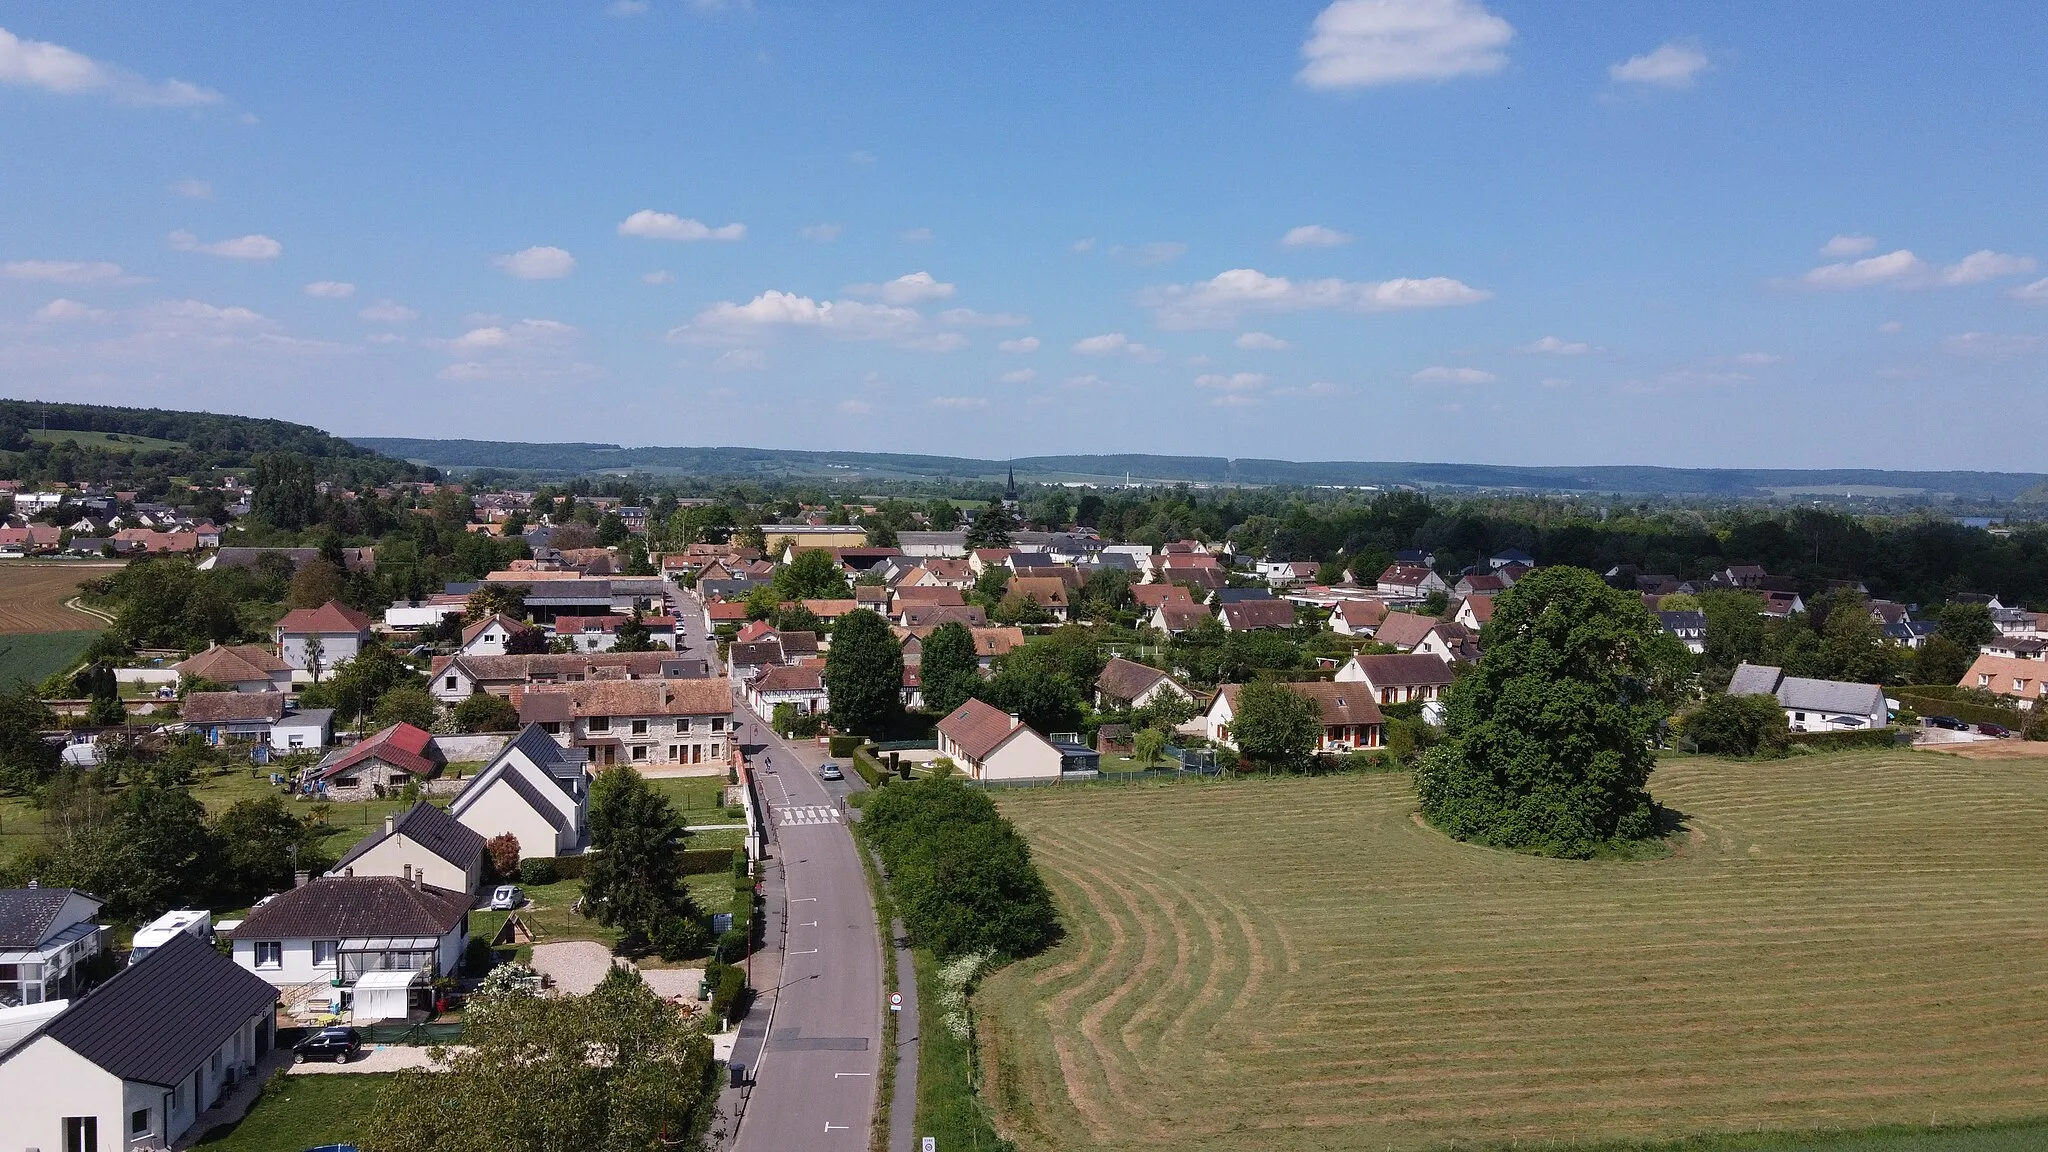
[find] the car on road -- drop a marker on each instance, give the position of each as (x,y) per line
(339,1044)
(506,897)
(1949,722)
(1998,730)
(831,772)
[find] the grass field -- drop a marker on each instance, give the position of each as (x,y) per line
(303,1112)
(35,656)
(1839,942)
(32,596)
(126,443)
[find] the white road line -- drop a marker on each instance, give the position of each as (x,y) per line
(837,1075)
(805,952)
(830,1127)
(808,924)
(803,899)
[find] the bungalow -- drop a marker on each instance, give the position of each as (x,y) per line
(1350,718)
(2022,681)
(2016,647)
(393,757)
(1150,596)
(134,1065)
(534,789)
(46,936)
(1357,617)
(1474,612)
(241,667)
(317,639)
(350,930)
(1402,631)
(990,744)
(1813,705)
(493,637)
(1487,583)
(1507,556)
(425,842)
(801,686)
(1174,617)
(1129,684)
(636,721)
(1398,678)
(1253,615)
(232,717)
(933,615)
(1049,593)
(1411,581)
(307,730)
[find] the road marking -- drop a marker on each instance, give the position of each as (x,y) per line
(808,924)
(805,952)
(829,1126)
(837,1075)
(806,814)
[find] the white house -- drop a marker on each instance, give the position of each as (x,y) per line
(490,637)
(1350,718)
(306,731)
(1411,581)
(326,635)
(1357,617)
(424,842)
(1129,684)
(134,1064)
(241,667)
(990,744)
(1813,705)
(534,789)
(800,685)
(345,927)
(46,934)
(1397,678)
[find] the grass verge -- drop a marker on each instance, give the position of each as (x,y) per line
(885,1076)
(947,1105)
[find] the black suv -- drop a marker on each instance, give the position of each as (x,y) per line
(1948,722)
(339,1043)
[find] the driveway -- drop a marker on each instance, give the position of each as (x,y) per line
(575,966)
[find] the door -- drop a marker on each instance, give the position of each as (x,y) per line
(81,1134)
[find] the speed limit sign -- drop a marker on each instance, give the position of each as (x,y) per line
(895,1001)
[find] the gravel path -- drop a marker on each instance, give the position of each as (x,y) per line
(576,966)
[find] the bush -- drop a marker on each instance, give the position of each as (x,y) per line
(841,745)
(483,712)
(503,850)
(1736,725)
(728,990)
(870,769)
(477,958)
(732,945)
(537,870)
(681,937)
(960,874)
(705,861)
(741,873)
(1835,741)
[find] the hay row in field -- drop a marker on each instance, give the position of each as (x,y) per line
(1841,941)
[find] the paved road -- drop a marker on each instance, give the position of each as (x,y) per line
(815,1080)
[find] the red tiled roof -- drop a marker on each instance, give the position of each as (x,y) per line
(227,707)
(333,616)
(1150,596)
(1404,629)
(978,728)
(402,746)
(1248,614)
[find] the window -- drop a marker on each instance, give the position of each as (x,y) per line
(639,751)
(324,952)
(600,724)
(449,684)
(639,727)
(683,726)
(81,1134)
(270,953)
(552,727)
(718,723)
(138,1122)
(715,751)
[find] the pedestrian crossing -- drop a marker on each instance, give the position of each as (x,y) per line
(806,814)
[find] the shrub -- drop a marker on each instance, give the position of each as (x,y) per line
(842,745)
(732,945)
(961,875)
(537,870)
(1736,725)
(728,990)
(869,768)
(483,712)
(705,861)
(681,937)
(741,874)
(477,958)
(503,850)
(1834,741)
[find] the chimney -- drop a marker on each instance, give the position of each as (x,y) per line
(349,871)
(1016,721)
(418,881)
(408,871)
(390,823)
(300,878)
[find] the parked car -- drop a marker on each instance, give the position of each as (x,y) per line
(1998,730)
(1948,722)
(506,897)
(831,772)
(339,1043)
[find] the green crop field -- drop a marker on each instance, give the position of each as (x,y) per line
(34,656)
(116,442)
(1839,942)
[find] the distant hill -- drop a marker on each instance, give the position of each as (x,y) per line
(205,432)
(764,463)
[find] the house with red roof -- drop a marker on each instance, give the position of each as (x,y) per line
(394,757)
(491,637)
(323,636)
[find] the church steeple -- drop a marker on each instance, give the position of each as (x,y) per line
(1010,490)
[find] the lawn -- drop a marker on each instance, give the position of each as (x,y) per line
(1838,942)
(301,1112)
(697,799)
(114,442)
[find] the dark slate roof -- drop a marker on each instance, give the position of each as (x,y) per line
(27,913)
(1240,595)
(158,1020)
(525,790)
(333,907)
(431,828)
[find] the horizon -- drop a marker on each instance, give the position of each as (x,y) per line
(1792,240)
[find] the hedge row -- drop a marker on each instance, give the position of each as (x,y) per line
(959,874)
(704,861)
(1835,741)
(871,770)
(842,745)
(1966,710)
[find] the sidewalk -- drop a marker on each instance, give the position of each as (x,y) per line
(765,977)
(903,1101)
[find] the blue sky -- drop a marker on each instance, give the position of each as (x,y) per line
(1801,235)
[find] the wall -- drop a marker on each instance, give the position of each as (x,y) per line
(457,749)
(45,1082)
(1022,757)
(499,810)
(392,854)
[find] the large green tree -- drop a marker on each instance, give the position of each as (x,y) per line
(814,574)
(991,527)
(1276,727)
(26,759)
(618,1070)
(948,668)
(1735,632)
(1548,739)
(864,674)
(635,879)
(261,843)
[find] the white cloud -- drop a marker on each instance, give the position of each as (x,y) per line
(1235,400)
(63,72)
(1890,268)
(1150,255)
(1261,342)
(60,309)
(1219,301)
(940,342)
(1314,236)
(388,312)
(66,271)
(1020,346)
(624,8)
(914,288)
(1086,244)
(1116,344)
(1551,345)
(1757,359)
(659,276)
(1235,382)
(1990,344)
(959,401)
(540,262)
(1442,375)
(1319,388)
(525,333)
(651,225)
(192,189)
(742,360)
(915,235)
(1892,327)
(822,233)
(1984,265)
(1085,381)
(2035,293)
(330,289)
(192,314)
(851,319)
(855,407)
(1844,246)
(1020,376)
(251,247)
(1358,43)
(969,318)
(528,351)
(1669,66)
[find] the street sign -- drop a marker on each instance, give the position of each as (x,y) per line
(931,1144)
(895,1001)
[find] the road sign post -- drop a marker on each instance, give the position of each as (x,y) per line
(931,1144)
(895,1001)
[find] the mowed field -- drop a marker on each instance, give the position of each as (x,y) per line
(1840,942)
(32,596)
